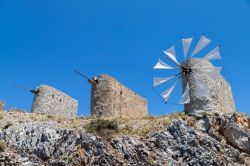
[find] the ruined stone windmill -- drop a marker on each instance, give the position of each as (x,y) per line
(112,99)
(48,100)
(203,87)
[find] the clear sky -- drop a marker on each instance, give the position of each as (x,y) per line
(43,41)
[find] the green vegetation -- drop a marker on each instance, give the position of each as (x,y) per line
(70,158)
(177,115)
(3,146)
(104,128)
(1,116)
(145,130)
(100,124)
(152,159)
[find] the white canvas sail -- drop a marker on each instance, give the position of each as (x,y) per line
(162,65)
(212,72)
(186,43)
(168,92)
(170,53)
(203,42)
(157,81)
(214,54)
(185,97)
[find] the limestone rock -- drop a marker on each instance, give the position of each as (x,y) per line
(235,133)
(38,143)
(173,140)
(203,124)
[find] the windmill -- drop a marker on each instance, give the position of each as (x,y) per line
(49,100)
(196,74)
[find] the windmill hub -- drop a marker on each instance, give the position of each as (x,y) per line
(185,70)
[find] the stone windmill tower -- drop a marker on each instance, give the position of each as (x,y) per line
(111,99)
(49,100)
(203,87)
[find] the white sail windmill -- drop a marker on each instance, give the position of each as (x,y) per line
(187,70)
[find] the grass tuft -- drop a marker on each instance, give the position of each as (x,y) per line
(1,116)
(70,158)
(104,128)
(100,124)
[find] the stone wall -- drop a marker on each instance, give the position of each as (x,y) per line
(110,99)
(218,96)
(49,100)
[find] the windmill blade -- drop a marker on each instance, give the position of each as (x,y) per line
(212,68)
(214,54)
(203,42)
(162,65)
(201,89)
(171,55)
(212,72)
(186,43)
(185,99)
(157,81)
(168,92)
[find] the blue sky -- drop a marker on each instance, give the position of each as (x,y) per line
(43,41)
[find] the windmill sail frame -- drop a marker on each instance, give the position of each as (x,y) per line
(212,72)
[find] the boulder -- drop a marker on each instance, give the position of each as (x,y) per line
(235,133)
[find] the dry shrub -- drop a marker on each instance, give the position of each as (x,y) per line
(8,124)
(104,128)
(3,146)
(2,104)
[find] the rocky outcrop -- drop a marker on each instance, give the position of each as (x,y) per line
(178,144)
(181,140)
(237,134)
(41,143)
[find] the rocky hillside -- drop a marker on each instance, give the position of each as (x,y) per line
(211,139)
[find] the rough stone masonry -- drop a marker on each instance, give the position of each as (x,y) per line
(218,97)
(49,100)
(110,99)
